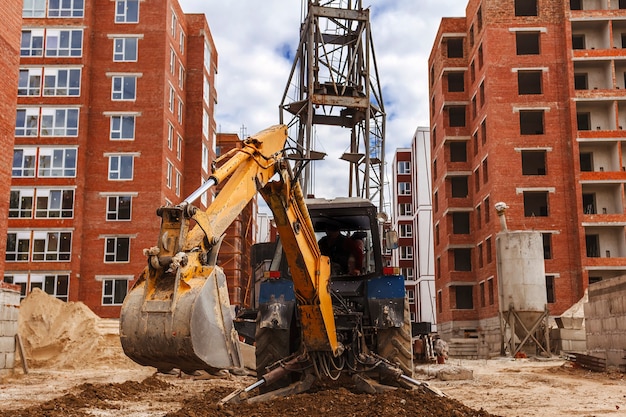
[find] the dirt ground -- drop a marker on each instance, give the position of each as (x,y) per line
(77,368)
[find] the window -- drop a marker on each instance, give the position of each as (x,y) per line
(459,187)
(576,4)
(119,207)
(172,61)
(464,297)
(206,90)
(534,162)
(59,122)
(65,8)
(406,230)
(179,148)
(581,81)
(592,243)
(408,273)
(127,11)
(531,122)
(527,43)
(52,246)
(170,135)
(406,252)
(168,174)
(34,8)
(29,83)
(481,59)
(547,245)
(404,167)
(489,258)
(550,292)
(404,188)
(482,294)
(405,209)
(437,238)
(205,158)
(125,49)
(475,142)
(480,255)
(121,167)
(456,82)
(578,41)
(64,43)
(21,203)
(411,296)
(181,76)
(456,116)
(525,7)
(55,285)
(174,24)
(18,246)
(458,151)
(27,122)
(114,291)
(461,223)
(54,204)
(487,208)
(589,203)
(535,203)
(622,4)
(477,179)
(483,131)
(32,42)
(122,128)
(124,87)
(24,162)
(61,82)
(455,48)
(177,183)
(586,161)
(172,99)
(181,42)
(207,56)
(205,123)
(180,111)
(462,259)
(117,249)
(481,93)
(529,82)
(479,214)
(583,120)
(57,162)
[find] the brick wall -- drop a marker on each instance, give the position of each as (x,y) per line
(10,33)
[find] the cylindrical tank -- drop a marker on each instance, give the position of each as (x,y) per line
(521,275)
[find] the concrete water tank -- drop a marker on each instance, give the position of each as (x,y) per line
(521,276)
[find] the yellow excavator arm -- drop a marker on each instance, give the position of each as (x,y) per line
(178,313)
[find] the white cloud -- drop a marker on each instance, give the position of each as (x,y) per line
(251,38)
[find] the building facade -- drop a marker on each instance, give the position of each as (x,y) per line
(114,119)
(9,67)
(527,108)
(412,215)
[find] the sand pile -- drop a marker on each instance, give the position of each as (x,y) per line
(65,335)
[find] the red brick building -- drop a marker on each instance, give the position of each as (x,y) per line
(114,119)
(9,64)
(527,107)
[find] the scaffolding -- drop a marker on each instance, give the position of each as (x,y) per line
(334,82)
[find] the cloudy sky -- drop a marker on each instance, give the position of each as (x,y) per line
(254,37)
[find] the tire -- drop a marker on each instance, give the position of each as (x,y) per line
(272,345)
(395,344)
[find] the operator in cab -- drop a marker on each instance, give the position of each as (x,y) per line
(345,253)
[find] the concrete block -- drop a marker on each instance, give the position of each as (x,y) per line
(3,361)
(574,345)
(593,326)
(609,324)
(571,322)
(9,360)
(8,328)
(7,344)
(249,355)
(571,334)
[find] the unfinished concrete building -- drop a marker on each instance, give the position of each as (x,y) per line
(527,107)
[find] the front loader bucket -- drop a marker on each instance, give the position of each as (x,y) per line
(169,321)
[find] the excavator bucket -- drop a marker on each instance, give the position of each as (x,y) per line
(180,320)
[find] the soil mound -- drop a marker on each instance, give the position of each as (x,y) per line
(65,335)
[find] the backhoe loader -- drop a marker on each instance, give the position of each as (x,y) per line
(321,319)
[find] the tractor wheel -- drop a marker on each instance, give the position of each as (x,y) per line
(396,346)
(272,345)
